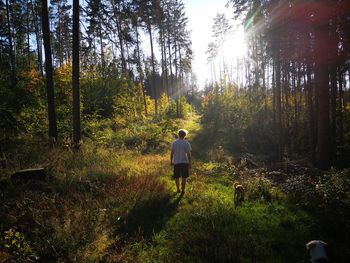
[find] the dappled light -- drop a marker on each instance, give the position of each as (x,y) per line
(174,131)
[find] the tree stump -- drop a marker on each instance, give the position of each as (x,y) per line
(29,174)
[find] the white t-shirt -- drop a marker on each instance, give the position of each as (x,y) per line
(180,148)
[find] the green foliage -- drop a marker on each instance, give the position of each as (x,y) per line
(326,194)
(259,189)
(63,98)
(226,115)
(14,243)
(125,101)
(139,135)
(33,117)
(22,108)
(243,121)
(97,95)
(186,108)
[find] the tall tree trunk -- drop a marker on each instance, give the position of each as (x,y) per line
(165,66)
(75,76)
(278,98)
(311,114)
(149,26)
(164,77)
(59,38)
(38,40)
(28,35)
(274,93)
(177,92)
(49,73)
(323,156)
(181,88)
(102,54)
(170,66)
(298,102)
(333,78)
(121,44)
(12,54)
(117,14)
(140,70)
(286,108)
(341,113)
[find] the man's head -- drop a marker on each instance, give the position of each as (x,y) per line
(182,133)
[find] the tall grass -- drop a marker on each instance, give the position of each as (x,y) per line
(85,207)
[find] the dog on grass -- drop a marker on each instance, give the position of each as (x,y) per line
(239,193)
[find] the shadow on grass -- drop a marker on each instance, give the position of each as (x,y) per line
(148,217)
(219,233)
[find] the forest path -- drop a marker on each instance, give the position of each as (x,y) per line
(203,225)
(107,205)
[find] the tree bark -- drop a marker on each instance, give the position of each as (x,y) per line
(177,92)
(333,78)
(278,127)
(75,76)
(28,36)
(38,40)
(170,65)
(12,55)
(140,69)
(49,73)
(312,114)
(341,115)
(149,26)
(323,155)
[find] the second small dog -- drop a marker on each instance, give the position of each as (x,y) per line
(318,251)
(239,193)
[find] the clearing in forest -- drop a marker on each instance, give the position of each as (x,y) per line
(107,205)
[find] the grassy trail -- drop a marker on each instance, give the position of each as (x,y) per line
(203,226)
(107,205)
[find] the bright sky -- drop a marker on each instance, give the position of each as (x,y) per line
(201,14)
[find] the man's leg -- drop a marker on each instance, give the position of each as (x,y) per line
(185,174)
(183,184)
(177,174)
(177,181)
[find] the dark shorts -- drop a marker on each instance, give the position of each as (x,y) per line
(181,170)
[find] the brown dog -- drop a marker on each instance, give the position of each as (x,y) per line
(239,193)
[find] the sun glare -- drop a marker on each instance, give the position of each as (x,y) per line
(226,63)
(235,46)
(200,22)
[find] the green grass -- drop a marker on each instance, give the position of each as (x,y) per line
(108,204)
(207,228)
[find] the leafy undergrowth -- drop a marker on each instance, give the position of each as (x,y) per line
(103,204)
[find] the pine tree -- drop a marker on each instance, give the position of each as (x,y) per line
(75,75)
(49,73)
(62,31)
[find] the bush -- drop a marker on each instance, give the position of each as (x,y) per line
(258,189)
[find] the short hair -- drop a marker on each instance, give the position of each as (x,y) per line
(182,133)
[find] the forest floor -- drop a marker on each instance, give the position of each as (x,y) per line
(102,205)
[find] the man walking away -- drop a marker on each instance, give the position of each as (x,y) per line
(180,157)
